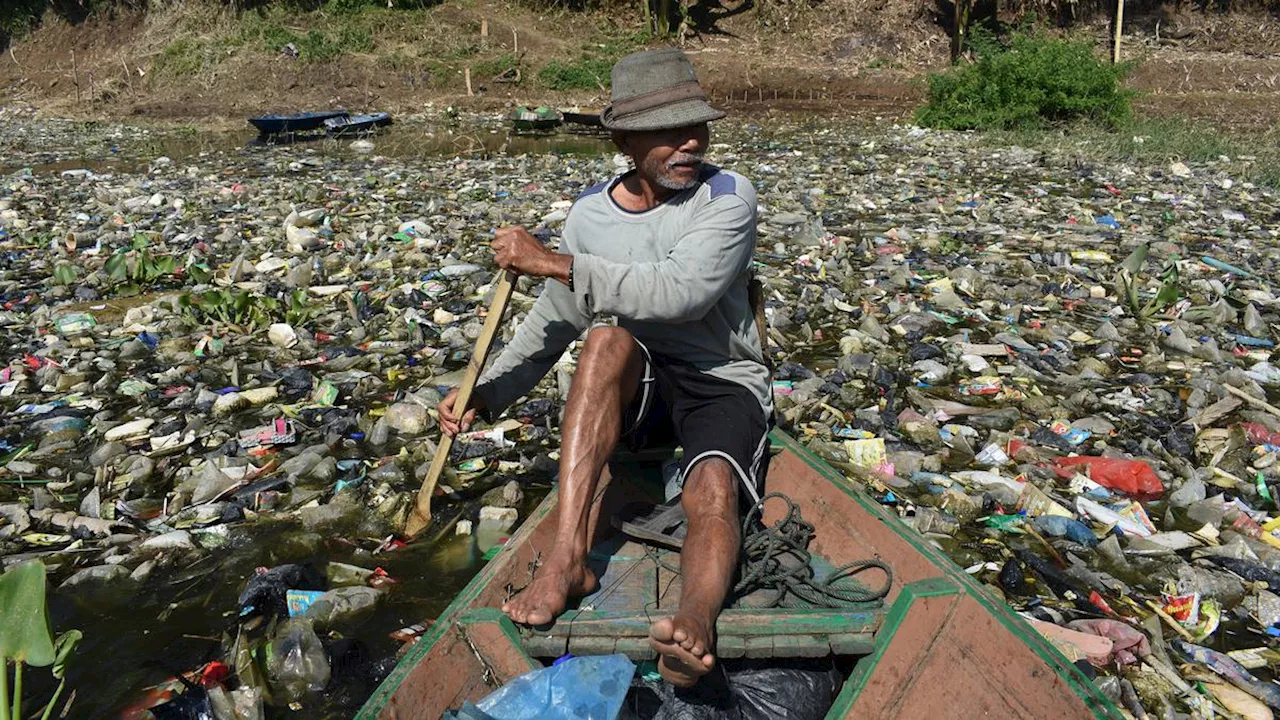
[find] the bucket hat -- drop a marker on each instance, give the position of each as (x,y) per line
(656,90)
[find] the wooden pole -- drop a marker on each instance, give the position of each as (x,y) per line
(466,73)
(1115,45)
(420,518)
(484,32)
(75,75)
(1252,400)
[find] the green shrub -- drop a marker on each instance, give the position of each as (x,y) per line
(183,57)
(494,67)
(257,32)
(586,73)
(352,39)
(18,17)
(1032,81)
(352,6)
(316,46)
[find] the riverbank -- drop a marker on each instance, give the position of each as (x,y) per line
(199,63)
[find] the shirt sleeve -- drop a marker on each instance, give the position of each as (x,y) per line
(683,286)
(553,323)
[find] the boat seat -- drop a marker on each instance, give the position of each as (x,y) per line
(740,632)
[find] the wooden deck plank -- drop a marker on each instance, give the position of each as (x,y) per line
(801,646)
(734,621)
(731,647)
(760,646)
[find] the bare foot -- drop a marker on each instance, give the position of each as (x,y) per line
(546,596)
(684,643)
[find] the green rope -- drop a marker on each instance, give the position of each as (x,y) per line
(777,558)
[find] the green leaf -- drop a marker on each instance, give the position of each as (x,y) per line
(62,649)
(115,266)
(166,265)
(145,270)
(139,241)
(24,618)
(1133,263)
(200,273)
(64,274)
(1168,294)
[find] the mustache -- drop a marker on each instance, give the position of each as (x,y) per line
(686,159)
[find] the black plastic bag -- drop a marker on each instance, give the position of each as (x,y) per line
(743,690)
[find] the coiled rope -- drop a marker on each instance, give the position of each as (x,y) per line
(777,558)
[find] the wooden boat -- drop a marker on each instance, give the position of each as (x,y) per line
(939,646)
(356,124)
(299,122)
(534,119)
(579,118)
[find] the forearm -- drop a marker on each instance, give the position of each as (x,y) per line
(559,266)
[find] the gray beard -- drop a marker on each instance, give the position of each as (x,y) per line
(670,184)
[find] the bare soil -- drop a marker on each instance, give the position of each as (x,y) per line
(843,57)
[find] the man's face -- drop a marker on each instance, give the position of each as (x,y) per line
(671,159)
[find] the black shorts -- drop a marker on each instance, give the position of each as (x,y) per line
(706,415)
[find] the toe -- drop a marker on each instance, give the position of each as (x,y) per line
(661,631)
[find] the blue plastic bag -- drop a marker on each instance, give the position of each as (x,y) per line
(581,688)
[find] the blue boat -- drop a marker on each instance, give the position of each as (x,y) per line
(301,122)
(357,124)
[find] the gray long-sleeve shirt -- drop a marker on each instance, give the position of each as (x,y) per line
(675,276)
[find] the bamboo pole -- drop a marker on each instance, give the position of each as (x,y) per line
(1115,44)
(420,518)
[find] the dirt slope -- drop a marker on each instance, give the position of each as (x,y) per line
(197,62)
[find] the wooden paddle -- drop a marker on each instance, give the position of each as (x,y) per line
(420,518)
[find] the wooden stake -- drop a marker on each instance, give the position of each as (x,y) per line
(515,42)
(1177,626)
(1115,45)
(484,32)
(420,518)
(75,75)
(466,73)
(1252,400)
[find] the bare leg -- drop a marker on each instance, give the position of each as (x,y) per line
(608,376)
(686,641)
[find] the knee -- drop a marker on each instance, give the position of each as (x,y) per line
(711,489)
(607,347)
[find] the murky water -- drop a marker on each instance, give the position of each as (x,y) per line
(177,620)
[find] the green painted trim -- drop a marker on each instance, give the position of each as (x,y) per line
(378,701)
(479,616)
(1101,706)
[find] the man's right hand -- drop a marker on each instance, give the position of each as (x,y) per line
(450,423)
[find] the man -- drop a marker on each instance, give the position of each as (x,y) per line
(667,249)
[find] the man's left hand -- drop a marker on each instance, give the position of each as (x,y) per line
(515,249)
